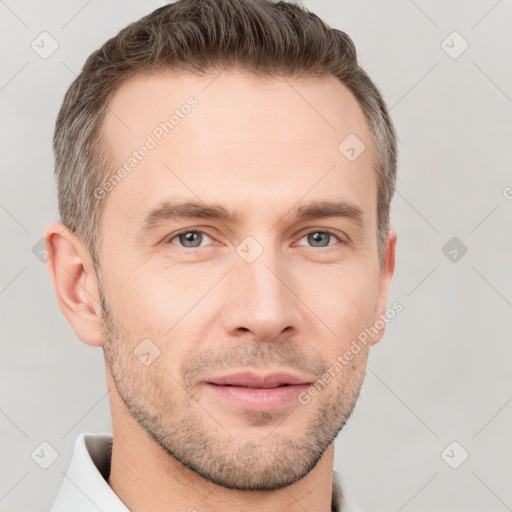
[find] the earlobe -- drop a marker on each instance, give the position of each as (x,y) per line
(76,286)
(386,273)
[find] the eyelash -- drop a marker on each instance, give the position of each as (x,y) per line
(176,235)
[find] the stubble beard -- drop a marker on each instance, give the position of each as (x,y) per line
(190,434)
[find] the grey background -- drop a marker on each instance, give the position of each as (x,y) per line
(442,372)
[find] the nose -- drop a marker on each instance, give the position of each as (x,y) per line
(260,299)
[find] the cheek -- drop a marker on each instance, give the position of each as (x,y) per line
(344,298)
(177,305)
(153,302)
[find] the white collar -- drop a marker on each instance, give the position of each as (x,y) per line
(85,487)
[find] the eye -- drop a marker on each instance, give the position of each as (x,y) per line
(321,238)
(189,239)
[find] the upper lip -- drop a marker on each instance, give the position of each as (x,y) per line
(258,380)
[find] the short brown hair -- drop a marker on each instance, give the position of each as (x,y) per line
(204,36)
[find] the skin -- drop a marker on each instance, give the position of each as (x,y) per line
(257,147)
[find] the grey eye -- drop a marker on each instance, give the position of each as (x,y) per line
(319,238)
(190,239)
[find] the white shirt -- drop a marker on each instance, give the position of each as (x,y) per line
(85,487)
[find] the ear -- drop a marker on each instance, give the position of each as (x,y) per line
(69,264)
(386,273)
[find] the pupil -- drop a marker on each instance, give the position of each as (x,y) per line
(319,239)
(190,239)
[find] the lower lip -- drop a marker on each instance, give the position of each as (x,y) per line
(258,399)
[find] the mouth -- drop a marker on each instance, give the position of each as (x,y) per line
(256,391)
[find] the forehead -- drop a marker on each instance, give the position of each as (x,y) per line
(308,109)
(236,139)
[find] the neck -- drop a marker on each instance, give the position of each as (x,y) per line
(146,477)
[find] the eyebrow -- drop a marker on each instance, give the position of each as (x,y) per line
(169,210)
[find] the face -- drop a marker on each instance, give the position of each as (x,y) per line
(238,263)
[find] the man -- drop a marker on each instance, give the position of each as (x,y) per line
(225,170)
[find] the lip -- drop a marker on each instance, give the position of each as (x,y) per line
(258,380)
(258,391)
